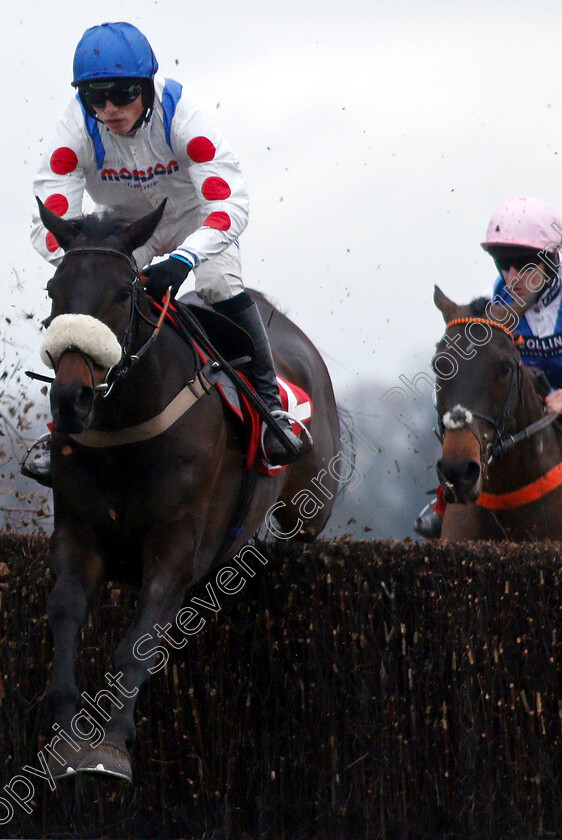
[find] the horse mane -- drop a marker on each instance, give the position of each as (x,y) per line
(97,227)
(477,307)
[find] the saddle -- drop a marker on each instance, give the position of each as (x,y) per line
(237,348)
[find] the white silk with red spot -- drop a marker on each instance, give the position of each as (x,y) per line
(199,175)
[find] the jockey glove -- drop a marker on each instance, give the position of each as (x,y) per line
(171,272)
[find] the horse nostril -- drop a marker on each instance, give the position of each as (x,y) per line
(84,400)
(472,473)
(461,475)
(71,406)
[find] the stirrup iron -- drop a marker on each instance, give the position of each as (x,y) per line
(279,412)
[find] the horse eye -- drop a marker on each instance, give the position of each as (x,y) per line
(123,295)
(504,369)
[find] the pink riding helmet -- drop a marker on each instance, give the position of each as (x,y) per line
(527,223)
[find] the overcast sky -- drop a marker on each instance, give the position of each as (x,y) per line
(376,137)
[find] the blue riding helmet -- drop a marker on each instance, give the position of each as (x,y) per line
(113,50)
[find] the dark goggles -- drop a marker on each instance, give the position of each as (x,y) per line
(517,258)
(121,93)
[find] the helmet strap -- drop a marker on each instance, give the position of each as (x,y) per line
(147,94)
(551,262)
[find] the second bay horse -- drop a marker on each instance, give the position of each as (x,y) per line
(501,460)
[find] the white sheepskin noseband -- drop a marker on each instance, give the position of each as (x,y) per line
(92,337)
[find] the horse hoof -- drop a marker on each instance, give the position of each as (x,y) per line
(65,765)
(58,772)
(107,760)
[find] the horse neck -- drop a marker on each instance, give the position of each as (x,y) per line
(531,457)
(153,382)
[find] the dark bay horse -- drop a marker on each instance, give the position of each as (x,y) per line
(500,466)
(142,500)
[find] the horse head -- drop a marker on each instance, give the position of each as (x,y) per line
(480,384)
(94,293)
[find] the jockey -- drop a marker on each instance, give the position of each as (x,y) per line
(524,238)
(129,139)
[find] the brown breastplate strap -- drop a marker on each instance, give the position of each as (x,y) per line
(181,403)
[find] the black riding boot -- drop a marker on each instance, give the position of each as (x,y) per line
(243,311)
(37,461)
(428,522)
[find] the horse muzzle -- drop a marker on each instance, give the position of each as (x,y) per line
(461,480)
(72,406)
(79,347)
(459,469)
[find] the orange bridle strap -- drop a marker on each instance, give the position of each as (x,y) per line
(525,495)
(517,339)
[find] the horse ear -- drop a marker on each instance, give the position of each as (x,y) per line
(137,233)
(65,232)
(446,307)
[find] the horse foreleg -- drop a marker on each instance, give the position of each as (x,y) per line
(161,598)
(78,573)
